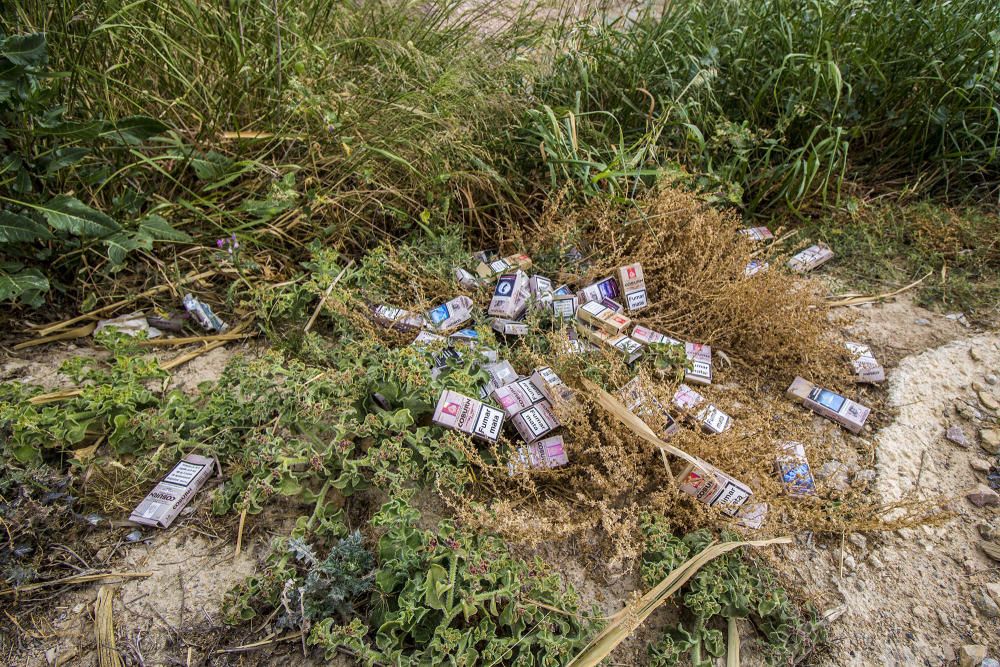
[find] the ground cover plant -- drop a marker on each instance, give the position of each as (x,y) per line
(302,162)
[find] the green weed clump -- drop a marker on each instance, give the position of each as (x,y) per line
(730,587)
(784,99)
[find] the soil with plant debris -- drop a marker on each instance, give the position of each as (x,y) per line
(914,596)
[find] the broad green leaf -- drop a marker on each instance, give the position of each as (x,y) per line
(25,50)
(69,214)
(156,228)
(119,245)
(65,157)
(82,130)
(134,129)
(28,285)
(15,228)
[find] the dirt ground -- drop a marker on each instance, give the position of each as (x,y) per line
(913,597)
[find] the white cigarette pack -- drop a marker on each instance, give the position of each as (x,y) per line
(518,261)
(866,366)
(510,296)
(451,315)
(541,290)
(397,318)
(755,266)
(564,306)
(534,422)
(172,494)
(714,488)
(640,402)
(606,288)
(601,317)
(629,348)
(468,415)
(517,396)
(633,284)
(545,453)
(500,373)
(829,404)
(757,233)
(551,385)
(509,327)
(810,258)
(466,279)
(711,418)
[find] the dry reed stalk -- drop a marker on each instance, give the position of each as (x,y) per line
(104,628)
(78,332)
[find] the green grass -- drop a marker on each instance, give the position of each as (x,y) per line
(883,246)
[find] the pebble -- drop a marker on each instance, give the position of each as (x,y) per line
(922,611)
(851,564)
(975,354)
(990,662)
(988,400)
(876,562)
(989,439)
(835,473)
(983,496)
(943,618)
(969,412)
(923,321)
(985,604)
(977,386)
(858,540)
(971,655)
(957,435)
(993,590)
(990,378)
(987,531)
(980,465)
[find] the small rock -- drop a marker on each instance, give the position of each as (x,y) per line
(866,476)
(957,435)
(858,540)
(991,378)
(987,531)
(971,655)
(922,611)
(968,412)
(993,590)
(983,496)
(876,562)
(985,604)
(835,473)
(988,400)
(975,354)
(989,439)
(980,465)
(923,321)
(990,662)
(851,564)
(977,386)
(943,619)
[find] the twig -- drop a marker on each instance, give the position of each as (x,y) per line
(78,332)
(319,306)
(855,299)
(186,340)
(73,580)
(104,628)
(239,534)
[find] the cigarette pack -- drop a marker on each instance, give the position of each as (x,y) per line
(545,453)
(757,233)
(447,351)
(517,396)
(601,317)
(752,516)
(534,422)
(576,345)
(510,297)
(518,261)
(711,418)
(466,279)
(500,373)
(866,366)
(173,492)
(564,306)
(631,349)
(509,327)
(648,408)
(397,318)
(755,266)
(540,289)
(793,468)
(551,385)
(486,255)
(450,315)
(810,258)
(714,488)
(468,415)
(562,290)
(829,404)
(202,313)
(633,284)
(698,354)
(602,289)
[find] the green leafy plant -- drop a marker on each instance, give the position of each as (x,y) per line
(730,587)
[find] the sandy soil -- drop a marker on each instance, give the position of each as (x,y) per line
(908,598)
